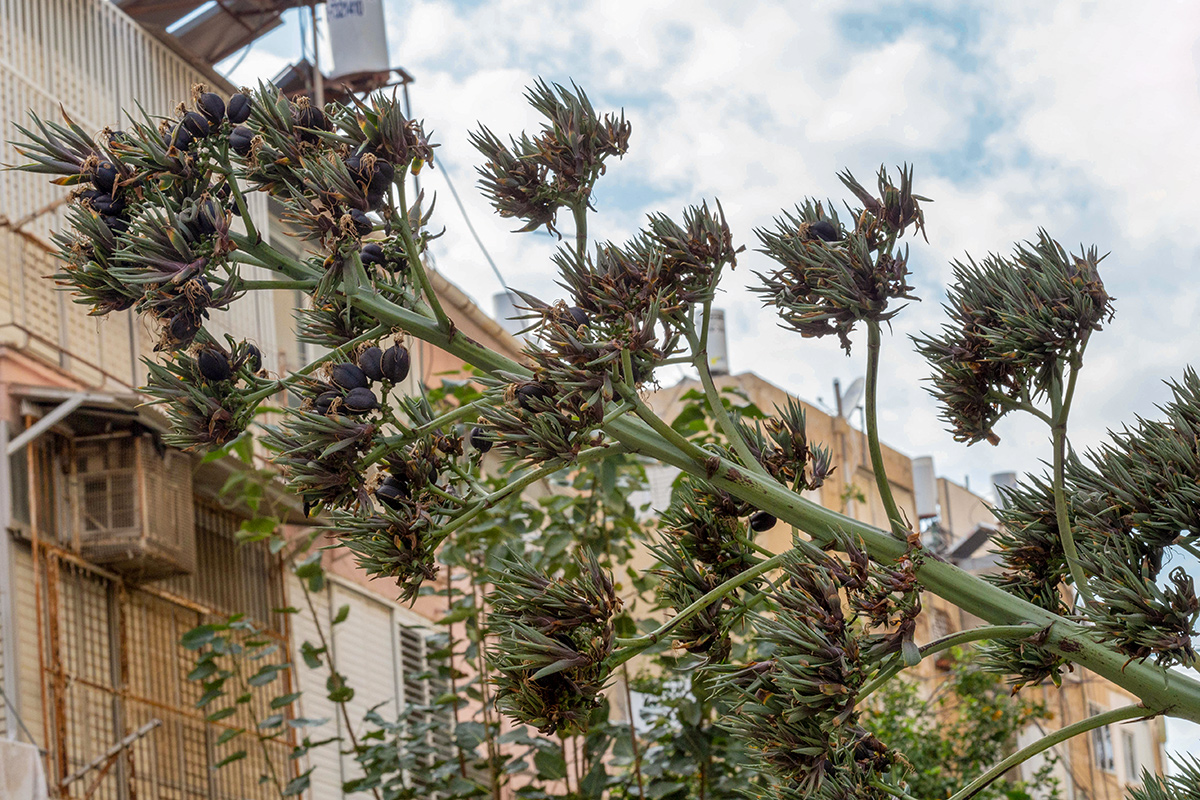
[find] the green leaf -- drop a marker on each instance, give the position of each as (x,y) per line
(273,721)
(229,734)
(229,759)
(285,700)
(221,714)
(257,529)
(550,764)
(200,635)
(342,613)
(298,784)
(264,676)
(311,654)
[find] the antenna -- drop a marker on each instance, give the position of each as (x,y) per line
(849,400)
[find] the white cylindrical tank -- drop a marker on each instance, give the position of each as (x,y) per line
(1001,481)
(718,347)
(357,37)
(925,487)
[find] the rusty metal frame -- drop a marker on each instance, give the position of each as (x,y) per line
(64,712)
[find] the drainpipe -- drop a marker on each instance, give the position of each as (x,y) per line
(8,636)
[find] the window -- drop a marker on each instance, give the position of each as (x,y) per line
(1102,745)
(1133,766)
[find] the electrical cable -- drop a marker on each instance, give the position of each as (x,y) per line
(462,209)
(245,52)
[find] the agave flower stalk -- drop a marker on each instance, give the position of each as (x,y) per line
(399,480)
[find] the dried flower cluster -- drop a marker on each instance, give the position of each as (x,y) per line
(830,276)
(552,638)
(531,179)
(1015,322)
(837,623)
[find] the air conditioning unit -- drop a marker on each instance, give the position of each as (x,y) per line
(133,506)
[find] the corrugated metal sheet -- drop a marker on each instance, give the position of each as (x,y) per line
(365,651)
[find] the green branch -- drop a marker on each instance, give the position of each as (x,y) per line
(1061,735)
(719,412)
(899,526)
(414,259)
(631,647)
(1059,409)
(1162,690)
(986,632)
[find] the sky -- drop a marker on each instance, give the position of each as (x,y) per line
(1078,117)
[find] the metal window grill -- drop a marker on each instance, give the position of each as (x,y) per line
(133,506)
(112,662)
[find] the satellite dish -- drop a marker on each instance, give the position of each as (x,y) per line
(851,397)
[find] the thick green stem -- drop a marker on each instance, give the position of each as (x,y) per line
(899,526)
(894,791)
(238,199)
(1061,735)
(986,632)
(416,265)
(579,211)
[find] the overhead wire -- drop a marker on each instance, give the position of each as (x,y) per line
(470,227)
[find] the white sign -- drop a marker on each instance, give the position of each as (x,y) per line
(357,37)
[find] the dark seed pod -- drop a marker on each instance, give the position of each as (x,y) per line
(824,230)
(762,521)
(117,225)
(253,358)
(371,363)
(181,138)
(106,205)
(390,495)
(360,401)
(196,124)
(106,176)
(240,139)
(381,177)
(239,108)
(480,440)
(529,392)
(214,365)
(348,376)
(210,217)
(212,107)
(395,363)
(578,316)
(118,137)
(184,326)
(371,253)
(325,401)
(362,223)
(375,199)
(310,117)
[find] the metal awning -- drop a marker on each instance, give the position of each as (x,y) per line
(211,29)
